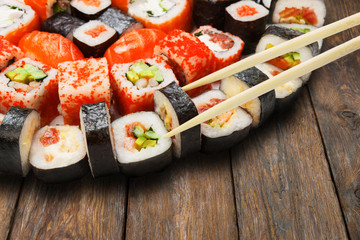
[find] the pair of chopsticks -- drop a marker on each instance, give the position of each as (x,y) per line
(280,79)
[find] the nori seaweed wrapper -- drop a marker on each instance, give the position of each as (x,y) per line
(61,23)
(210,12)
(118,20)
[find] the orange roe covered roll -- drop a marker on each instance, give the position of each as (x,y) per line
(165,15)
(82,82)
(16,19)
(49,48)
(30,84)
(9,53)
(134,83)
(189,58)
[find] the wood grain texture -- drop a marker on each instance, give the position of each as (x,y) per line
(84,209)
(282,181)
(336,98)
(9,191)
(193,199)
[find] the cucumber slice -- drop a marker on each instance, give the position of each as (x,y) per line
(157,74)
(151,135)
(138,131)
(138,67)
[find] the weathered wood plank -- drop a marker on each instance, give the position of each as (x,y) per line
(84,209)
(193,199)
(9,192)
(335,92)
(283,186)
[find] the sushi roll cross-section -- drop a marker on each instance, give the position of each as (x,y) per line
(89,9)
(140,148)
(9,53)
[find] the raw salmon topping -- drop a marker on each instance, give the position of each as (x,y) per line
(220,120)
(96,31)
(305,15)
(50,137)
(246,10)
(95,3)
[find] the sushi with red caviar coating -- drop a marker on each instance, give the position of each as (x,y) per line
(9,53)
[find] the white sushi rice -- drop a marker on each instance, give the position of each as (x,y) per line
(13,19)
(80,33)
(232,10)
(318,6)
(238,121)
(69,150)
(148,119)
(58,121)
(90,9)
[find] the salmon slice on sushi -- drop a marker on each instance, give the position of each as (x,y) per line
(140,147)
(16,19)
(58,154)
(82,82)
(16,133)
(9,53)
(49,48)
(47,8)
(89,9)
(134,83)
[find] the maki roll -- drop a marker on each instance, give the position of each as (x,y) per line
(311,12)
(175,107)
(164,15)
(16,19)
(246,19)
(119,20)
(47,8)
(140,147)
(226,47)
(210,12)
(265,3)
(58,154)
(98,137)
(222,131)
(62,23)
(189,58)
(88,9)
(260,108)
(286,93)
(82,82)
(94,37)
(30,84)
(275,35)
(16,133)
(9,53)
(134,83)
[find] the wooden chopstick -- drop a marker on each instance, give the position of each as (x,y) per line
(285,47)
(270,84)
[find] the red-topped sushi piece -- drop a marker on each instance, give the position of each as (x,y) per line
(303,15)
(8,53)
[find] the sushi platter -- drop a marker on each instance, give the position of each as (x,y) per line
(118,113)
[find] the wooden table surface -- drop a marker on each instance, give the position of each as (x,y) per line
(296,177)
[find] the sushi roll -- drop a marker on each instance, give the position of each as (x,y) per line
(58,154)
(47,8)
(82,82)
(311,12)
(137,44)
(260,108)
(58,48)
(98,137)
(175,107)
(16,133)
(189,58)
(275,35)
(222,131)
(265,3)
(226,47)
(94,37)
(9,53)
(286,93)
(119,20)
(140,147)
(164,15)
(134,83)
(62,23)
(16,19)
(247,20)
(89,9)
(210,12)
(30,84)
(1,117)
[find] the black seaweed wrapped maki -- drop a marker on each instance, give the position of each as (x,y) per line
(98,136)
(16,132)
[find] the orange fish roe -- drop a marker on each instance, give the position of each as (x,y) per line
(94,3)
(246,10)
(96,31)
(213,102)
(51,136)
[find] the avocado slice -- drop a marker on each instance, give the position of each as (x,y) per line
(157,74)
(34,71)
(19,75)
(139,66)
(132,76)
(147,73)
(139,143)
(149,143)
